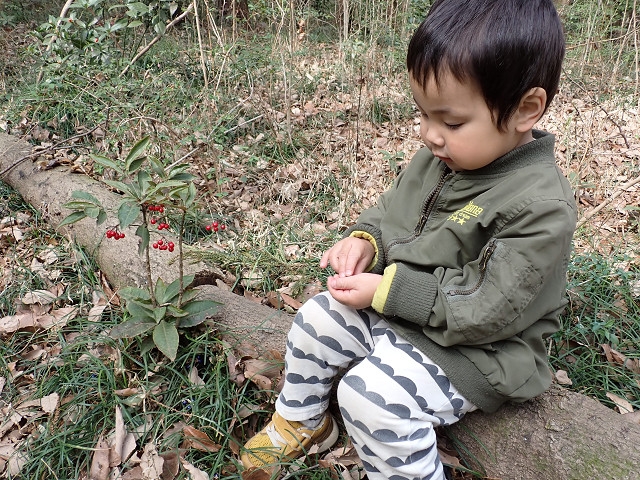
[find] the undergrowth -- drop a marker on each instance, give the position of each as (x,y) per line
(603,312)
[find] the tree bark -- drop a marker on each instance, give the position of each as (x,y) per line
(559,435)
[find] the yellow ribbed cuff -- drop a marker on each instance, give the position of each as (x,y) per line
(382,292)
(366,236)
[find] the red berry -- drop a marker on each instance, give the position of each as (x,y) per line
(160,227)
(214,224)
(163,247)
(208,227)
(161,209)
(171,245)
(160,242)
(109,233)
(155,245)
(215,229)
(222,227)
(121,235)
(153,221)
(171,249)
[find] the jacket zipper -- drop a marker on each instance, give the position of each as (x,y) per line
(482,269)
(427,208)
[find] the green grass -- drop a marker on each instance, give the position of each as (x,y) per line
(604,309)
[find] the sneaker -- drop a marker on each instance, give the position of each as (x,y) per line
(281,439)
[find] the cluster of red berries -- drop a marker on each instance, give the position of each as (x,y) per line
(161,225)
(156,208)
(160,245)
(115,234)
(215,227)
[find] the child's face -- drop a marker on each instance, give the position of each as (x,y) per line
(456,124)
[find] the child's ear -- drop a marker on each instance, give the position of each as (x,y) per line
(530,109)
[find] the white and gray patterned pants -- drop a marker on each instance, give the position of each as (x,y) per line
(391,398)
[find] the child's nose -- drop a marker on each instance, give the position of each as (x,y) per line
(431,135)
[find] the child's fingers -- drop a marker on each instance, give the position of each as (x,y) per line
(324,261)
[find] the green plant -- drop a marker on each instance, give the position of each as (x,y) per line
(603,317)
(157,312)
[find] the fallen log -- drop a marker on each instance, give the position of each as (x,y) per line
(559,435)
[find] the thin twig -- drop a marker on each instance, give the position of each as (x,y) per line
(581,87)
(63,12)
(155,40)
(202,62)
(591,213)
(52,147)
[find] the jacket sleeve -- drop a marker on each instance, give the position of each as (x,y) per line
(368,226)
(490,298)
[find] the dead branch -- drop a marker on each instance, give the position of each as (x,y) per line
(591,213)
(156,39)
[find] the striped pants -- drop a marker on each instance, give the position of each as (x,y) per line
(391,398)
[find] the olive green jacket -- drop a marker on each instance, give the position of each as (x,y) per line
(474,266)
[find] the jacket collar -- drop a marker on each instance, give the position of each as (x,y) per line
(537,152)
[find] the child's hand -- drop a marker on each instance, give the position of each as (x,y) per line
(355,291)
(350,256)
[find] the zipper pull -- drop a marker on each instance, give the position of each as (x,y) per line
(487,255)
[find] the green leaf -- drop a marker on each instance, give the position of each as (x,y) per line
(143,232)
(147,345)
(132,328)
(135,152)
(157,167)
(106,162)
(127,213)
(135,23)
(135,165)
(189,295)
(86,196)
(123,187)
(191,195)
(173,289)
(134,293)
(92,211)
(73,218)
(199,310)
(183,177)
(166,338)
(144,180)
(138,7)
(143,310)
(167,184)
(159,313)
(160,291)
(102,217)
(176,312)
(77,205)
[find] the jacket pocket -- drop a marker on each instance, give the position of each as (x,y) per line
(488,307)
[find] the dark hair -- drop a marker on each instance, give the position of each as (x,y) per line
(506,46)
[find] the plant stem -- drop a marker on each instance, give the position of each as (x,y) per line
(147,259)
(180,257)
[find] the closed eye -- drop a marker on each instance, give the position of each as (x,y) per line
(453,126)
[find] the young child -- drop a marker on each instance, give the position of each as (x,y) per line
(445,291)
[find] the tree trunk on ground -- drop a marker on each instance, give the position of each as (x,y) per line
(559,435)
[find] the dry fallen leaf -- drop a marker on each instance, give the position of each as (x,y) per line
(151,463)
(563,378)
(194,438)
(623,405)
(43,297)
(195,473)
(49,403)
(194,378)
(100,463)
(171,465)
